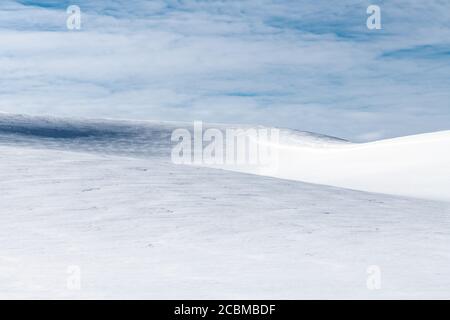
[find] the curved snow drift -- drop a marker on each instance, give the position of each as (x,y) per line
(417,166)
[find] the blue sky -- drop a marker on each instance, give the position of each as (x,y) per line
(308,65)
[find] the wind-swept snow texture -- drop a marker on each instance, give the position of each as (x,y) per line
(104,197)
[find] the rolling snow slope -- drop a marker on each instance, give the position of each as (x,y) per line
(416,166)
(105,197)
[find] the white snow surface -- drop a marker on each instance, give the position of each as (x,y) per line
(416,166)
(104,196)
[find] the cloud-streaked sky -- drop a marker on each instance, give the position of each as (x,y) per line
(307,65)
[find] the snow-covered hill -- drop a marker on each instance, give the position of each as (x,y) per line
(103,198)
(416,166)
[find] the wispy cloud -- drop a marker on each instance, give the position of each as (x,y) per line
(309,65)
